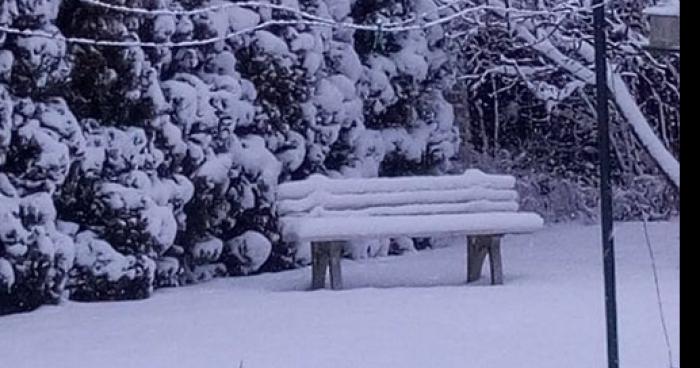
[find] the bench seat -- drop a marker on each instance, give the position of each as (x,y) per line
(319,229)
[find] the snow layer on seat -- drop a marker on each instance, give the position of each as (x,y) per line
(470,178)
(330,201)
(344,228)
(416,209)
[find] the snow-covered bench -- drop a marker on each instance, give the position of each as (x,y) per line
(326,212)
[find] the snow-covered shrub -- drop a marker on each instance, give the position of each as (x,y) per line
(40,140)
(168,272)
(402,245)
(129,215)
(366,248)
(402,84)
(35,258)
(102,273)
(40,63)
(645,197)
(246,253)
(234,193)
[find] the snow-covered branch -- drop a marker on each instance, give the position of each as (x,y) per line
(556,46)
(630,110)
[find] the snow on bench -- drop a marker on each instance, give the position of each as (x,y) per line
(323,229)
(326,212)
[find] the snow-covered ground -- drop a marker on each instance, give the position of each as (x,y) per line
(409,311)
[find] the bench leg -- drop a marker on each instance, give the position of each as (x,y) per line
(336,251)
(319,263)
(495,261)
(477,248)
(326,255)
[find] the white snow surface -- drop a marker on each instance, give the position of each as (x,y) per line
(341,228)
(418,209)
(471,177)
(665,7)
(407,311)
(329,201)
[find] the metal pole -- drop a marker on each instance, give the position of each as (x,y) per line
(605,190)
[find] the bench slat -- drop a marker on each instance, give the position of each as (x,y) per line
(360,201)
(470,178)
(345,228)
(416,209)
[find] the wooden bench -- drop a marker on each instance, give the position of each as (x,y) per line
(327,212)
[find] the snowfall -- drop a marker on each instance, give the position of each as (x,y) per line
(413,310)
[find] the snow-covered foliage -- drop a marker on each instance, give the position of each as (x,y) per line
(123,169)
(526,104)
(409,124)
(35,257)
(366,248)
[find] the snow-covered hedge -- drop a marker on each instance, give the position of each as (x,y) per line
(124,169)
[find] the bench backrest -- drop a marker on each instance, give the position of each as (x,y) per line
(471,192)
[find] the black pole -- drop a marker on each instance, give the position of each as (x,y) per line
(605,190)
